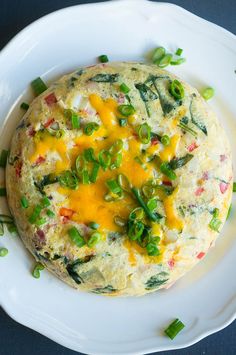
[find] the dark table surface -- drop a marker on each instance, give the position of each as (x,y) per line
(16,339)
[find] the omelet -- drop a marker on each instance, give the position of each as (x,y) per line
(119,178)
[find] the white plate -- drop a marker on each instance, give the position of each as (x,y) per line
(205,300)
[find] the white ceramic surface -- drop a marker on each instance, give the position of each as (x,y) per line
(205,299)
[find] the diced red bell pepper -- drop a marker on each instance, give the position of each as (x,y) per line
(201,255)
(49,122)
(51,99)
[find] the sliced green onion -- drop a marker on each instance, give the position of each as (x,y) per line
(89,154)
(24,202)
(215,224)
(135,229)
(103,58)
(174,328)
(38,86)
(114,187)
(45,202)
(75,120)
(3,252)
(124,88)
(119,221)
(152,204)
(80,163)
(24,106)
(126,110)
(12,228)
(90,128)
(3,158)
(1,229)
(152,249)
(148,190)
(104,158)
(116,161)
(165,140)
(35,214)
(136,214)
(60,133)
(177,61)
(36,271)
(3,192)
(116,147)
(68,179)
(216,212)
(76,237)
(179,51)
(94,172)
(85,177)
(50,213)
(234,187)
(208,93)
(229,211)
(158,54)
(153,216)
(122,122)
(124,182)
(144,133)
(93,225)
(164,61)
(166,170)
(94,239)
(40,221)
(176,89)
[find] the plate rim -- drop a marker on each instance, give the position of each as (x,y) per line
(28,321)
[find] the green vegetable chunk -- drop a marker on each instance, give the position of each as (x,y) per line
(3,192)
(166,170)
(234,187)
(36,271)
(179,51)
(174,328)
(164,61)
(68,179)
(76,237)
(124,88)
(153,216)
(158,54)
(24,106)
(38,86)
(90,128)
(126,110)
(3,158)
(24,202)
(3,252)
(165,140)
(94,239)
(144,133)
(103,58)
(177,90)
(208,93)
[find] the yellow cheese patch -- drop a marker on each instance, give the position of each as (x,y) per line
(172,220)
(169,152)
(47,143)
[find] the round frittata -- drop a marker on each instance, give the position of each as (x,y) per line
(119,178)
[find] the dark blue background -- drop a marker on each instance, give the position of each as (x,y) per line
(15,15)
